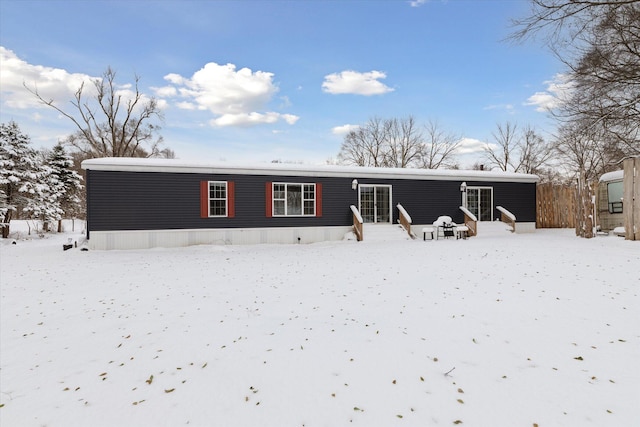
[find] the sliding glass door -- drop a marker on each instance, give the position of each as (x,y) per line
(375,203)
(480,202)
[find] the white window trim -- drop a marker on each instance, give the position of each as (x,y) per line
(226,199)
(479,188)
(611,201)
(375,214)
(286,184)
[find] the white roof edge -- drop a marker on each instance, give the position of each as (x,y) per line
(612,176)
(131,164)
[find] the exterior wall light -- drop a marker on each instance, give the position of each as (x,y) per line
(354,184)
(463,192)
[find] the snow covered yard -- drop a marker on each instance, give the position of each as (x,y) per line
(497,330)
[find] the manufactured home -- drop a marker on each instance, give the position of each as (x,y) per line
(144,203)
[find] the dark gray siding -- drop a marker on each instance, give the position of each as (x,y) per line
(118,200)
(519,199)
(155,200)
(426,200)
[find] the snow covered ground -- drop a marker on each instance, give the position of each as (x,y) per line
(497,330)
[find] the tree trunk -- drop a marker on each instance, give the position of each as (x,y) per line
(584,208)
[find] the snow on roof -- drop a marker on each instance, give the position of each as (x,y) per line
(175,165)
(612,176)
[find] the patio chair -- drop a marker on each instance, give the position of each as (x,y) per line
(462,231)
(444,223)
(448,230)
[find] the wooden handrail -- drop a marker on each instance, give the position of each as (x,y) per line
(358,227)
(405,220)
(507,217)
(470,221)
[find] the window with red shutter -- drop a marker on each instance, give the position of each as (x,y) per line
(268,191)
(318,199)
(217,199)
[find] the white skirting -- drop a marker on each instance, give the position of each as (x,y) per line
(525,227)
(145,239)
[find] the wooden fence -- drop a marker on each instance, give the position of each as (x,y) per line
(555,206)
(631,198)
(571,206)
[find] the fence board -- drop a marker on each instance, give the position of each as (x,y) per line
(555,206)
(631,198)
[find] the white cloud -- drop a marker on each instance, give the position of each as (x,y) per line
(165,91)
(558,89)
(290,118)
(51,83)
(353,82)
(285,102)
(162,104)
(176,79)
(186,105)
(235,97)
(507,107)
(251,119)
(543,101)
(344,129)
(471,146)
(417,3)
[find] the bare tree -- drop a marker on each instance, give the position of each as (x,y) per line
(403,140)
(364,146)
(399,143)
(534,152)
(114,123)
(607,82)
(561,22)
(598,41)
(382,143)
(588,149)
(517,150)
(506,141)
(439,148)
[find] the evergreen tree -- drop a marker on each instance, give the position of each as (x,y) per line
(68,183)
(18,172)
(43,203)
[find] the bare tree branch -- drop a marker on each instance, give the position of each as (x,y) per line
(599,43)
(439,147)
(398,143)
(111,125)
(506,141)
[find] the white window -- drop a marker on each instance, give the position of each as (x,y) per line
(218,198)
(615,191)
(292,199)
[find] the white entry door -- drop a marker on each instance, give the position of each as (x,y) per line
(375,203)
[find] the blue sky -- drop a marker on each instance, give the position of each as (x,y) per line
(279,80)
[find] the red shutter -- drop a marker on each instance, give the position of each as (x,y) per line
(318,199)
(204,199)
(268,191)
(231,199)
